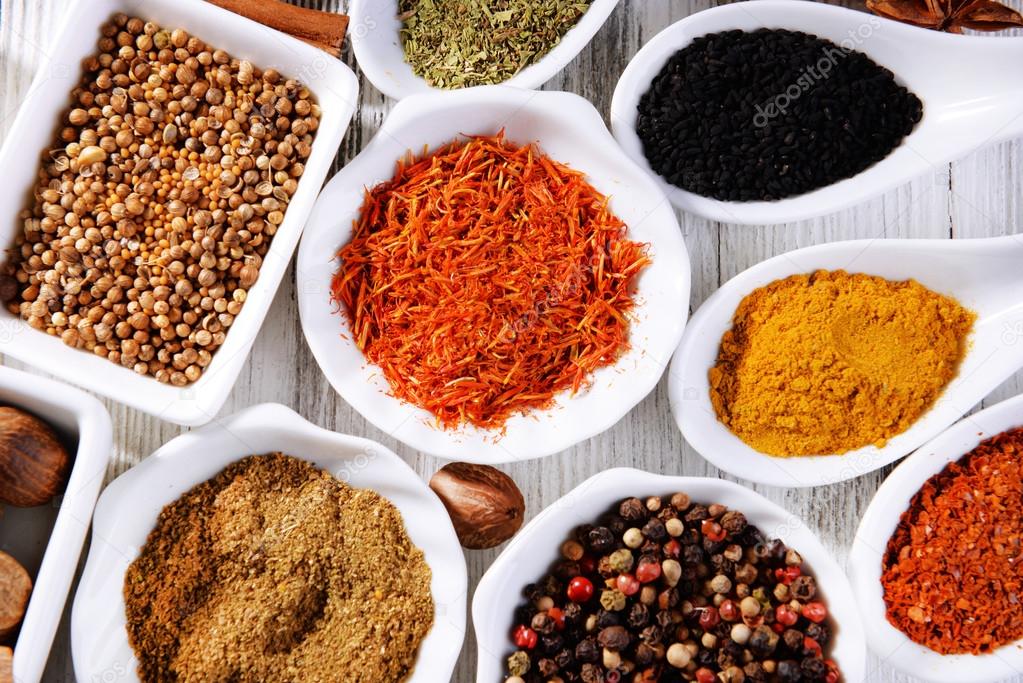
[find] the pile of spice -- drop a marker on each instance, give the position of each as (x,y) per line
(158,200)
(830,362)
(953,569)
(459,44)
(485,278)
(671,590)
(274,570)
(768,114)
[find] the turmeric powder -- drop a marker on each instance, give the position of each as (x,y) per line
(826,363)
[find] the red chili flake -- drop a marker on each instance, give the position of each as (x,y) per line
(812,645)
(485,278)
(953,569)
(672,548)
(557,615)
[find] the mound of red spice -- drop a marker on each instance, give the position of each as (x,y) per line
(953,569)
(485,278)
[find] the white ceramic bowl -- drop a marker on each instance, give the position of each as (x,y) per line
(982,274)
(570,130)
(336,90)
(47,540)
(530,554)
(967,105)
(875,530)
(374,32)
(128,509)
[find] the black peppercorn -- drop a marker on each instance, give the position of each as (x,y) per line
(613,638)
(793,640)
(591,673)
(803,588)
(639,615)
(632,509)
(763,641)
(573,613)
(789,671)
(600,540)
(814,669)
(547,667)
(754,672)
(654,530)
(564,659)
(733,522)
(552,643)
(818,632)
(606,618)
(587,650)
(652,635)
(697,513)
(541,623)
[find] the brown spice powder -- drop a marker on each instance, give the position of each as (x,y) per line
(276,571)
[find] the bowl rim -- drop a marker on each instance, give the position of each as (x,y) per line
(365,37)
(196,403)
(430,529)
(879,523)
(565,109)
(93,430)
(598,493)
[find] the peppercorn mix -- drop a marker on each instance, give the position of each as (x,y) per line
(671,590)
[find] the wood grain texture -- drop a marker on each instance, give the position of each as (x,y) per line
(974,197)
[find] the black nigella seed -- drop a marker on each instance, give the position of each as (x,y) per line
(768,114)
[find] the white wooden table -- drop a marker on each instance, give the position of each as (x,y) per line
(976,197)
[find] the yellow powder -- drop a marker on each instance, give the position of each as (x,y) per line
(831,362)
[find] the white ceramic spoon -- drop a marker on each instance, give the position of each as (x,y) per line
(879,523)
(971,97)
(984,275)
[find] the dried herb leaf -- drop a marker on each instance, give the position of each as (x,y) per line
(464,43)
(949,15)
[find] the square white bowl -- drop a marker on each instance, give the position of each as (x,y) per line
(129,507)
(336,90)
(48,539)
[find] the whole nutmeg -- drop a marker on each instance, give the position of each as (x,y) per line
(15,588)
(485,505)
(33,462)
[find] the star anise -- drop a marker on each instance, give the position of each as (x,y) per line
(949,15)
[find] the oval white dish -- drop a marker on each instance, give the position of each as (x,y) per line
(336,90)
(967,105)
(530,554)
(376,41)
(48,539)
(569,130)
(128,509)
(982,274)
(876,528)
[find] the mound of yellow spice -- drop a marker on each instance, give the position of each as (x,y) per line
(276,571)
(826,363)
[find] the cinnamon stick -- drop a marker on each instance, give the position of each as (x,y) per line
(324,30)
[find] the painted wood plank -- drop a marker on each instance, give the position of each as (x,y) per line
(974,197)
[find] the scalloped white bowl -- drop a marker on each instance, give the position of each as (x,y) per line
(530,554)
(569,130)
(336,90)
(376,40)
(128,509)
(878,525)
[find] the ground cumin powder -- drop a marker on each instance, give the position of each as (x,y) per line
(831,362)
(276,571)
